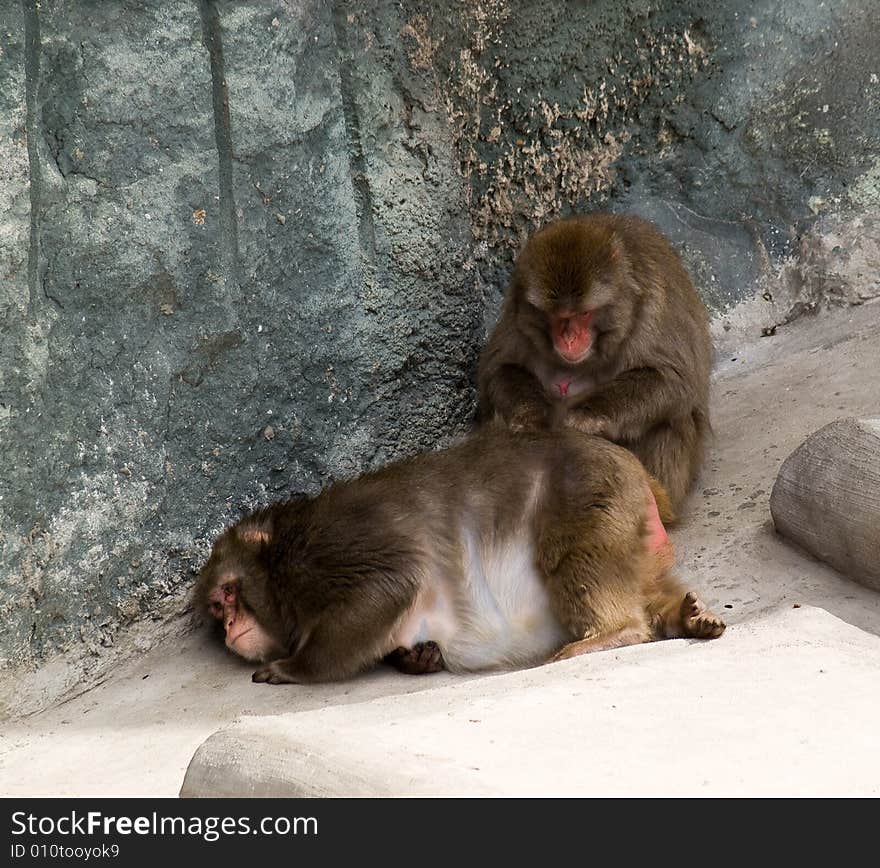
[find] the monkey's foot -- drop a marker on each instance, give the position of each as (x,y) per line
(421,659)
(274,673)
(699,622)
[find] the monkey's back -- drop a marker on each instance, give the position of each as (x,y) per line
(498,472)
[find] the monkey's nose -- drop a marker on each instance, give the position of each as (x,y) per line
(570,334)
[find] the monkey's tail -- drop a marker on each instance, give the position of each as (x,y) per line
(664,507)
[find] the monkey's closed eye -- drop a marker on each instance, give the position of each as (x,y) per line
(536,307)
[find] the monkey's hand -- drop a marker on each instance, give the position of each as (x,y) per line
(587,423)
(528,417)
(421,659)
(276,672)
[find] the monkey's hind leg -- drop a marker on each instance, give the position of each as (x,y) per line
(422,659)
(595,559)
(615,639)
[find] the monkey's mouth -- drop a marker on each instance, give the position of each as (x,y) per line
(231,640)
(572,335)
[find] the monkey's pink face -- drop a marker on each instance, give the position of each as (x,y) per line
(244,634)
(572,335)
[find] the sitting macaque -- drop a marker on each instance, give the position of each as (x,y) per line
(603,331)
(501,552)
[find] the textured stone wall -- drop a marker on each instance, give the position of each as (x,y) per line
(249,247)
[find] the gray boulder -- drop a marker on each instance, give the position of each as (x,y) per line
(827,498)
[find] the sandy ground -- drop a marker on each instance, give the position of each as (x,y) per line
(134,733)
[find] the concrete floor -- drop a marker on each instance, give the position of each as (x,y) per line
(134,733)
(781,707)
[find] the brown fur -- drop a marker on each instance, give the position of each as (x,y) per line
(645,383)
(329,579)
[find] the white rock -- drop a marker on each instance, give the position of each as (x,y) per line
(784,705)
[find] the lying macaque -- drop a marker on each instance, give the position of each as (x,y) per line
(603,331)
(504,551)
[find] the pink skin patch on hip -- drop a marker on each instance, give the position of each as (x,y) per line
(657,538)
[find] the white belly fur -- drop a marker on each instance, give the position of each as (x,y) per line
(495,615)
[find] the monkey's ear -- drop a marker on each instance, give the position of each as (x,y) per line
(255,531)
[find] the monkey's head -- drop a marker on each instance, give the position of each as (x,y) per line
(568,290)
(234,588)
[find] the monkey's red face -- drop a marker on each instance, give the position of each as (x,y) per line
(568,282)
(572,335)
(244,633)
(232,589)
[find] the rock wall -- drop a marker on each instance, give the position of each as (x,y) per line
(246,248)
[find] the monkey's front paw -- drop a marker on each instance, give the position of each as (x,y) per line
(272,674)
(527,419)
(698,621)
(595,425)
